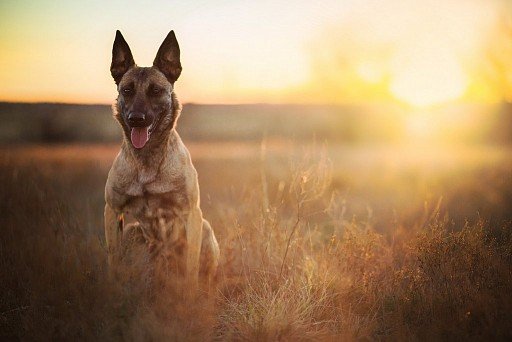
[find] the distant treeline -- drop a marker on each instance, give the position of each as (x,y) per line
(60,123)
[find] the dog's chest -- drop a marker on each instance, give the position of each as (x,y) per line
(147,175)
(150,181)
(156,200)
(146,178)
(155,206)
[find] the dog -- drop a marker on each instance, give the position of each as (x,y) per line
(152,188)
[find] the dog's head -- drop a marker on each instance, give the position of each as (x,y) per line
(146,102)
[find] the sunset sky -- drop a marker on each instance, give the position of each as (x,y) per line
(417,52)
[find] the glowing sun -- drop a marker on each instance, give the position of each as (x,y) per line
(427,77)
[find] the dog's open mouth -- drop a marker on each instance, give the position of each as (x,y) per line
(140,136)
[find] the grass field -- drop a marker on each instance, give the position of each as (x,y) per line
(317,243)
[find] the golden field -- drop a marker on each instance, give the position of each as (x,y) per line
(318,241)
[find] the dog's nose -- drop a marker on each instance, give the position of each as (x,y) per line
(136,118)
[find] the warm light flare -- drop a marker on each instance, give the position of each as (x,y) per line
(421,126)
(424,78)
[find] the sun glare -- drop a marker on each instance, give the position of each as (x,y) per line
(421,126)
(370,72)
(423,78)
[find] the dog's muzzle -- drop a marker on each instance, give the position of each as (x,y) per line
(137,119)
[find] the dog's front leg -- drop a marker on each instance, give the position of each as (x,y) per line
(194,230)
(113,234)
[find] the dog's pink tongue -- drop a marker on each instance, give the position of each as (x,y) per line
(139,136)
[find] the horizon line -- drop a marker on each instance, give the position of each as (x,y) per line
(370,103)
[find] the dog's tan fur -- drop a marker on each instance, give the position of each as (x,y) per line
(153,191)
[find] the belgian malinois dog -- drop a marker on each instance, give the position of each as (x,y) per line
(152,187)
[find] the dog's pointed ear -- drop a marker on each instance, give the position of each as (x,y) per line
(167,58)
(122,59)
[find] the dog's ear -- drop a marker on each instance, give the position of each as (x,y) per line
(122,59)
(167,58)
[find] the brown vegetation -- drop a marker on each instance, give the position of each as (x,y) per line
(311,250)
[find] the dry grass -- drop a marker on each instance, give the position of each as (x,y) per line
(299,260)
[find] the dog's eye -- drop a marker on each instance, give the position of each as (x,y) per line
(156,91)
(127,91)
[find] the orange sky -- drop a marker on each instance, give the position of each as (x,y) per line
(420,53)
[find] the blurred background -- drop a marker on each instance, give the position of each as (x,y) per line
(346,71)
(409,99)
